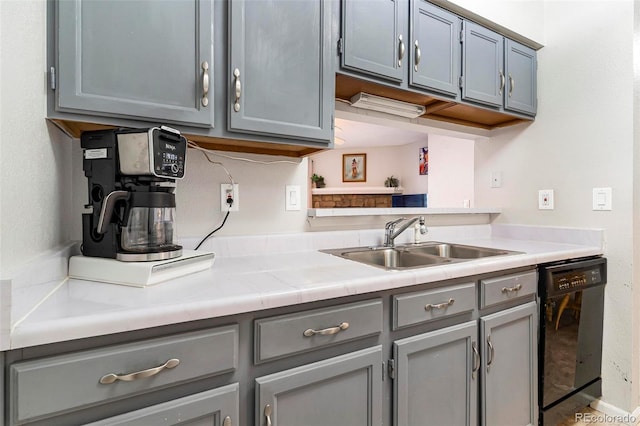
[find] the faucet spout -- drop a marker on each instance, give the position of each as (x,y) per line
(391,233)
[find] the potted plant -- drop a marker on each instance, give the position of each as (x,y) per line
(392,182)
(318,181)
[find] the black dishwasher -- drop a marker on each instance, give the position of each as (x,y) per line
(570,348)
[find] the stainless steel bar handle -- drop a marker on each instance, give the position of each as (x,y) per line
(501,82)
(205,83)
(327,331)
(491,352)
(267,413)
(401,50)
(417,56)
(443,305)
(476,360)
(512,84)
(111,377)
(511,289)
(238,87)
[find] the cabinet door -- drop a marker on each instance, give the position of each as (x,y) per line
(281,76)
(345,390)
(520,70)
(483,78)
(509,367)
(138,59)
(437,377)
(374,36)
(434,48)
(217,407)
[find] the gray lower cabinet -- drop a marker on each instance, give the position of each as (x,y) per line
(509,367)
(42,389)
(217,407)
(138,59)
(436,377)
(280,77)
(343,390)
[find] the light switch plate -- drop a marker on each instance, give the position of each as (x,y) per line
(292,198)
(545,199)
(602,198)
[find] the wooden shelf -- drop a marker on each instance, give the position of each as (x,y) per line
(356,190)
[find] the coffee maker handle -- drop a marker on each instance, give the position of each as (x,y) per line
(107,209)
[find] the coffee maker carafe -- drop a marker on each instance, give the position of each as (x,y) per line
(131,183)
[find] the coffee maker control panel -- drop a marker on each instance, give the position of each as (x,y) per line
(168,153)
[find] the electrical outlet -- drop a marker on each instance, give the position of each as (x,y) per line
(229,191)
(545,199)
(496,179)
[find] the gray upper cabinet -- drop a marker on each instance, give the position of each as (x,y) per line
(280,74)
(138,59)
(437,377)
(374,38)
(520,70)
(509,367)
(344,390)
(434,49)
(483,78)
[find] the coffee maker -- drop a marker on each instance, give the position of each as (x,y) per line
(132,176)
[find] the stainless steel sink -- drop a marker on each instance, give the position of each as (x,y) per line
(457,251)
(416,255)
(392,258)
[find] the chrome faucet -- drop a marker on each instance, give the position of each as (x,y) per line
(390,232)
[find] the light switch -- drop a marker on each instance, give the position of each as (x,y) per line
(292,197)
(602,198)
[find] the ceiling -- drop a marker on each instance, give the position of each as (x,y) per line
(360,134)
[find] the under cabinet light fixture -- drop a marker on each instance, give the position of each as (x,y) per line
(390,106)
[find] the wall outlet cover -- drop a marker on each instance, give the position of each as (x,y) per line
(545,199)
(227,190)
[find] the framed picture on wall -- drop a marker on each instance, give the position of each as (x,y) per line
(354,167)
(424,161)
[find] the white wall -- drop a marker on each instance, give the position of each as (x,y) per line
(451,172)
(35,175)
(525,17)
(582,138)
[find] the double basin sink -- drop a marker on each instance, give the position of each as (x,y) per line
(420,255)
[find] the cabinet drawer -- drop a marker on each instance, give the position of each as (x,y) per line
(209,407)
(292,333)
(502,289)
(43,387)
(418,307)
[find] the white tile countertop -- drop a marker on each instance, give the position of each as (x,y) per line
(250,274)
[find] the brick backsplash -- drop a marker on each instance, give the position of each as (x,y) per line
(351,200)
